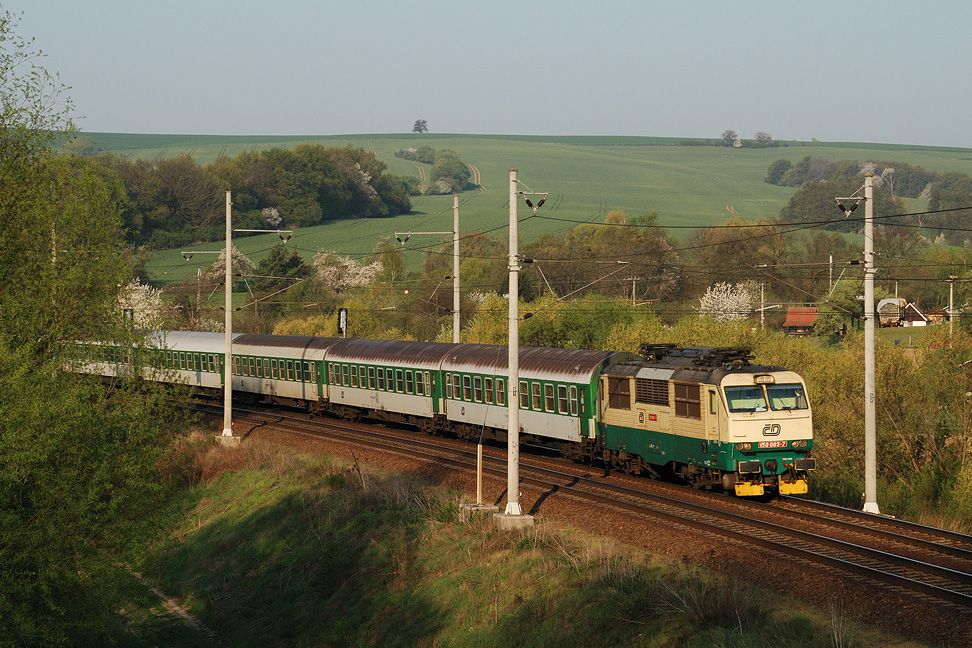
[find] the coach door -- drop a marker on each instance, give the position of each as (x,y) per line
(711,412)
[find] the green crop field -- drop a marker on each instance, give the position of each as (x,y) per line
(688,186)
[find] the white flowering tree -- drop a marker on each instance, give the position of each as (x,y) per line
(343,273)
(725,302)
(271,216)
(241,266)
(145,303)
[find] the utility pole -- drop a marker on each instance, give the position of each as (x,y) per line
(198,291)
(512,517)
(513,358)
(870,416)
(455,271)
(830,275)
(951,285)
(762,306)
(227,435)
(634,282)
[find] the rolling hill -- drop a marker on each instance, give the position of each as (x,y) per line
(687,185)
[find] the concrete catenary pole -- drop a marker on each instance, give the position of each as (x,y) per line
(513,391)
(951,314)
(455,269)
(762,306)
(870,418)
(228,325)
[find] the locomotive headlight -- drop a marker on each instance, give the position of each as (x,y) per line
(745,447)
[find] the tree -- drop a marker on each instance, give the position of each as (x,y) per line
(421,126)
(726,302)
(76,467)
(340,273)
(729,137)
(763,139)
(279,269)
(777,170)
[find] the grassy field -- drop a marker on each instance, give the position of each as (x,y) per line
(272,547)
(688,186)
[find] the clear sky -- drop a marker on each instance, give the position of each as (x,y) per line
(891,71)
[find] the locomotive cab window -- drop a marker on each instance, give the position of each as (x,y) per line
(787,397)
(713,403)
(687,401)
(619,393)
(746,399)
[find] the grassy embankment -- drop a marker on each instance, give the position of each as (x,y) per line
(586,177)
(269,547)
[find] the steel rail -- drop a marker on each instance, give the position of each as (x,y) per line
(462,459)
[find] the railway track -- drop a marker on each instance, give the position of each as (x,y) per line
(933,563)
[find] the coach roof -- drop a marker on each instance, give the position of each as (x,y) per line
(565,365)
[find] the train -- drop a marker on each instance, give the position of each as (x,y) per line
(705,415)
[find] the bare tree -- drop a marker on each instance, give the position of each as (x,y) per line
(421,126)
(729,136)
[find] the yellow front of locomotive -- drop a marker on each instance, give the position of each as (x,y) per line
(769,428)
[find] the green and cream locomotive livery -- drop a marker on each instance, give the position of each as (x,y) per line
(710,417)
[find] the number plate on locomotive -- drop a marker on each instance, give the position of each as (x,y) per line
(771,444)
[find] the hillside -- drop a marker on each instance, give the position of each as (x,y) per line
(586,177)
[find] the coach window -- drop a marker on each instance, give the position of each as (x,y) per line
(307,371)
(236,365)
(537,401)
(399,381)
(290,370)
(419,383)
(273,369)
(687,401)
(524,395)
(467,388)
(573,400)
(619,393)
(456,386)
(345,371)
(364,376)
(488,384)
(562,399)
(330,372)
(500,391)
(381,379)
(252,363)
(428,384)
(390,379)
(259,367)
(448,390)
(212,363)
(548,398)
(354,375)
(478,389)
(371,377)
(182,360)
(409,386)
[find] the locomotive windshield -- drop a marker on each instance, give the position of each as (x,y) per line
(787,397)
(746,399)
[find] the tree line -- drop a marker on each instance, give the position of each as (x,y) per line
(173,201)
(820,180)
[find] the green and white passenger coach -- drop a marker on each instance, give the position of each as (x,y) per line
(705,415)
